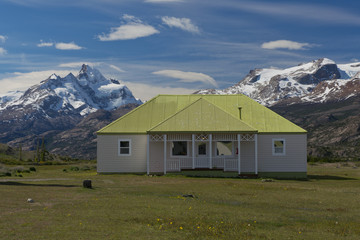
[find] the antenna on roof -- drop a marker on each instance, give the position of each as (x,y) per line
(240,112)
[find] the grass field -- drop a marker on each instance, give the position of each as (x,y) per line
(326,206)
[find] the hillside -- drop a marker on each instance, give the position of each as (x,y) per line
(80,141)
(333,127)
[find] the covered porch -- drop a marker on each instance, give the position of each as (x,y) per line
(230,152)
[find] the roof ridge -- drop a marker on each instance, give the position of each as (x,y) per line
(203,99)
(183,109)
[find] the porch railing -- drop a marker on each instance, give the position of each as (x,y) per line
(177,164)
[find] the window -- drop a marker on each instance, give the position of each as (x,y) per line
(278,146)
(224,148)
(179,148)
(202,149)
(124,147)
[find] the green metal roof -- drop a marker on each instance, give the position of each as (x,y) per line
(202,116)
(201,113)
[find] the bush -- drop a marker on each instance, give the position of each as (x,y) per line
(85,168)
(18,169)
(74,169)
(33,169)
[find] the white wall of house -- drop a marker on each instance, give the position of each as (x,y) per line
(294,159)
(156,160)
(247,157)
(108,159)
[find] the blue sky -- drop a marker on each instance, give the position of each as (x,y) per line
(170,46)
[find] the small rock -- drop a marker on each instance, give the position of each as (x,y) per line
(87,184)
(267,180)
(30,200)
(188,195)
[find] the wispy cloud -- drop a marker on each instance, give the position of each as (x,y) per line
(132,29)
(188,76)
(2,51)
(45,44)
(145,91)
(285,44)
(116,68)
(67,46)
(182,23)
(307,12)
(3,38)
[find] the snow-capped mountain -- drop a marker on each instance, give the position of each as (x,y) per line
(58,104)
(83,94)
(317,81)
(10,96)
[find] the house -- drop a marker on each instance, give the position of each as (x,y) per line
(172,133)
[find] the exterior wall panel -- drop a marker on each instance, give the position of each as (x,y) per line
(156,160)
(247,151)
(293,161)
(108,160)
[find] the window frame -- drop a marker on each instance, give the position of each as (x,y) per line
(119,148)
(274,153)
(179,156)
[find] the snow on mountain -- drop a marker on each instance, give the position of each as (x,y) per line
(83,94)
(10,96)
(305,82)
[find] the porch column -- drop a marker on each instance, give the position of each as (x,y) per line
(256,154)
(164,154)
(239,157)
(148,155)
(210,153)
(193,150)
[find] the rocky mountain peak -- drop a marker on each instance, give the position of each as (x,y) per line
(91,75)
(270,86)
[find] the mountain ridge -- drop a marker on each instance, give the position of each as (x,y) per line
(58,104)
(296,84)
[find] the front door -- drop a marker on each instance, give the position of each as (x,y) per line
(202,149)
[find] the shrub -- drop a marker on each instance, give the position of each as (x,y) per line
(33,169)
(74,169)
(85,168)
(18,169)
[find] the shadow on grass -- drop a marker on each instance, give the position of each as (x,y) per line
(328,177)
(36,184)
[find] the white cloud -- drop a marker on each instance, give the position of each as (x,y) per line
(162,1)
(187,76)
(145,92)
(45,44)
(182,23)
(285,44)
(134,28)
(116,68)
(22,81)
(2,51)
(3,38)
(67,46)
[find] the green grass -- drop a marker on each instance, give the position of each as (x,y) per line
(326,206)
